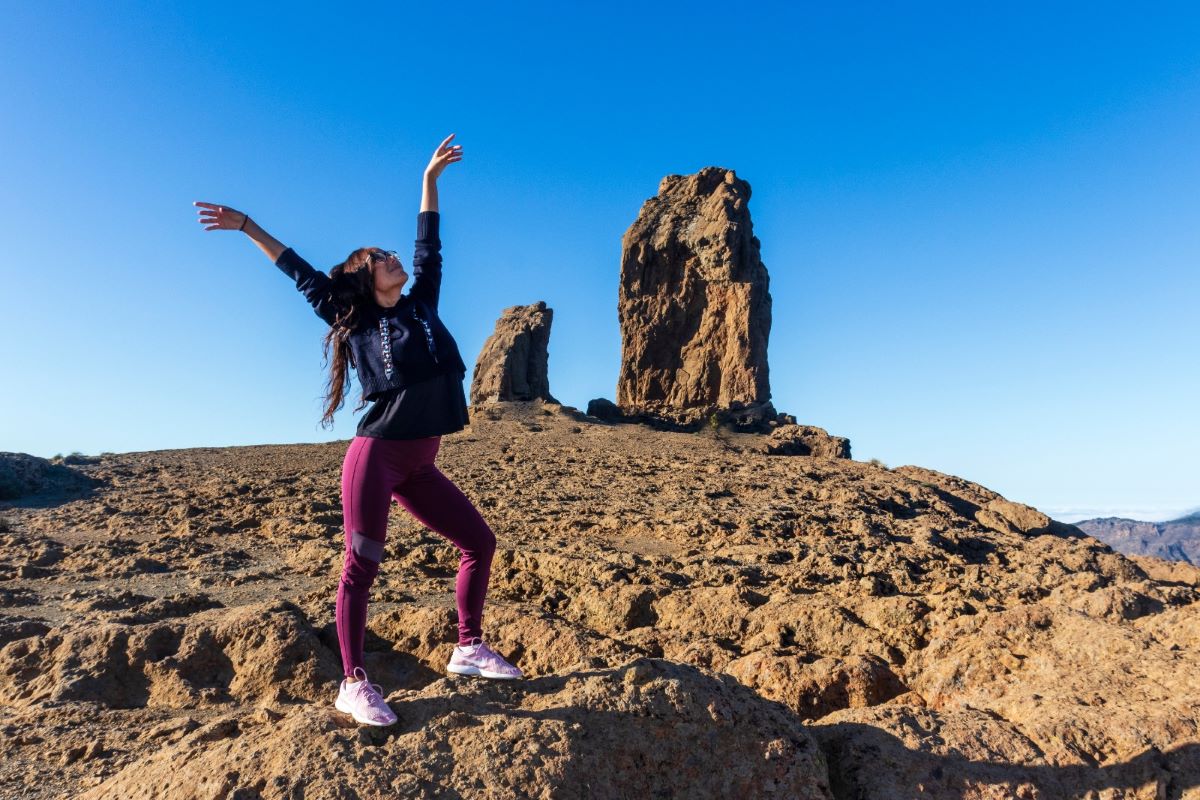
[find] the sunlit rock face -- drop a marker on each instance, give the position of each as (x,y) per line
(514,362)
(694,305)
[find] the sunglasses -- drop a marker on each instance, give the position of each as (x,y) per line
(385,254)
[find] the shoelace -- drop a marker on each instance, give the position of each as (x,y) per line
(361,685)
(473,648)
(482,652)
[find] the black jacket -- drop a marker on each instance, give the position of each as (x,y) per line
(421,346)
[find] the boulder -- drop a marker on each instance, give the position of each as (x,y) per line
(603,408)
(806,440)
(1006,516)
(22,474)
(266,651)
(513,364)
(816,686)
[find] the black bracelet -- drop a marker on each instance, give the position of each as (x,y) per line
(244,218)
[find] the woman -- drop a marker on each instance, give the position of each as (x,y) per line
(409,367)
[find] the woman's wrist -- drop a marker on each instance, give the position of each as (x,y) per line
(429,193)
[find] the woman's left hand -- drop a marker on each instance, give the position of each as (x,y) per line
(446,153)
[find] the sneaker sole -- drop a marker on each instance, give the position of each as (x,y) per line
(481,673)
(347,710)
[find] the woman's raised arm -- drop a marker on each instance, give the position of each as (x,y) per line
(224,218)
(315,285)
(445,154)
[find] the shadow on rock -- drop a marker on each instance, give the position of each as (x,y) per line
(868,761)
(31,482)
(647,729)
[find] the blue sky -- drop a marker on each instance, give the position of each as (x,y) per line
(980,222)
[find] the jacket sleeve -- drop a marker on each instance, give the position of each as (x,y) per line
(312,283)
(427,260)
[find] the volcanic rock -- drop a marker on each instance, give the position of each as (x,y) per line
(694,306)
(260,651)
(806,440)
(816,687)
(513,362)
(697,607)
(645,729)
(22,474)
(603,408)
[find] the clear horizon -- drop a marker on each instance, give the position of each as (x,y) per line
(980,224)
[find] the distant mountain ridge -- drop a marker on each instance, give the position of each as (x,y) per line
(1176,540)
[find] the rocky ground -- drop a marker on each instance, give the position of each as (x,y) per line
(698,618)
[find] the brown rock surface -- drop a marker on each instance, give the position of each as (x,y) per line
(173,627)
(807,440)
(646,729)
(513,364)
(694,305)
(22,474)
(904,751)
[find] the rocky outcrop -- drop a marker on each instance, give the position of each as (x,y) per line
(22,474)
(603,408)
(263,651)
(806,440)
(955,753)
(694,306)
(631,731)
(815,688)
(513,364)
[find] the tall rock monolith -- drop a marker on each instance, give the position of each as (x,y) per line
(514,361)
(694,306)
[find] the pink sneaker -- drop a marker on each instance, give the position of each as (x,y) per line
(479,659)
(363,701)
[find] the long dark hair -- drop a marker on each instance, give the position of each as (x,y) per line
(353,290)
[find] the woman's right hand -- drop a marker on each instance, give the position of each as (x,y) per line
(220,218)
(445,154)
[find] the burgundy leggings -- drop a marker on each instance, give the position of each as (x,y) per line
(375,471)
